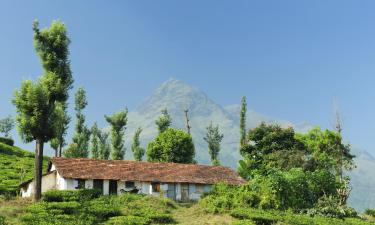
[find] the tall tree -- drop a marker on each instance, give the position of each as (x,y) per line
(172,145)
(35,101)
(6,125)
(188,127)
(118,123)
(137,150)
(271,146)
(213,139)
(80,142)
(243,122)
(95,141)
(104,147)
(61,120)
(164,121)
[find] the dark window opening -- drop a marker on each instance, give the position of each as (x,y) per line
(98,184)
(129,184)
(155,187)
(81,184)
(113,187)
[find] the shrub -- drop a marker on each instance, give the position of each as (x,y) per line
(330,207)
(268,217)
(2,220)
(71,195)
(128,220)
(370,212)
(88,194)
(60,196)
(102,209)
(157,210)
(64,207)
(7,141)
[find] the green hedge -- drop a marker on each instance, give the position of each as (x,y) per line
(7,141)
(128,220)
(264,217)
(71,195)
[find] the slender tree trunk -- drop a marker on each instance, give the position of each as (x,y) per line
(38,170)
(60,151)
(188,127)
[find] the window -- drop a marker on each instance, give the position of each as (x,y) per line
(199,188)
(129,184)
(98,184)
(113,187)
(155,187)
(80,184)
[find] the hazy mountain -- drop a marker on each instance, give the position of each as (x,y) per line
(177,96)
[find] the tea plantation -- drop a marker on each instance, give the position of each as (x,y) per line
(16,166)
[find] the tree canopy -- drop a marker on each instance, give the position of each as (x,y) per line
(35,101)
(164,121)
(118,122)
(172,145)
(137,150)
(213,139)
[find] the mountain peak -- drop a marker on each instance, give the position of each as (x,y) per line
(176,95)
(175,86)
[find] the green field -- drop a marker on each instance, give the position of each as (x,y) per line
(16,166)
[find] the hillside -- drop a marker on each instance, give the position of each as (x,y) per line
(177,96)
(87,208)
(16,166)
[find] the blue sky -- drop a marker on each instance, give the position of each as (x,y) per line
(290,58)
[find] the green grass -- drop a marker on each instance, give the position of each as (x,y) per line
(143,210)
(16,166)
(269,217)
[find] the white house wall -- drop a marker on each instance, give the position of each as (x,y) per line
(55,181)
(48,183)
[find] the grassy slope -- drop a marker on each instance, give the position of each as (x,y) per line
(190,214)
(16,166)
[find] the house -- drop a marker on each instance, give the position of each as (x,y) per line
(181,182)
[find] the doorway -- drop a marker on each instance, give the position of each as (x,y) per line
(185,192)
(113,187)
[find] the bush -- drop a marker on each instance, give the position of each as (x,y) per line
(268,217)
(103,208)
(71,195)
(330,207)
(370,212)
(282,190)
(2,220)
(156,209)
(7,141)
(60,196)
(128,220)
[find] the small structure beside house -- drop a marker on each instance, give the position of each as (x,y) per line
(181,182)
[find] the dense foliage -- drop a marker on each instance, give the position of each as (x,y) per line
(62,121)
(35,101)
(213,139)
(172,145)
(251,216)
(6,125)
(138,151)
(79,148)
(95,141)
(7,141)
(86,207)
(118,122)
(164,121)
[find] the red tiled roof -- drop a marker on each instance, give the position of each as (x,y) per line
(125,170)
